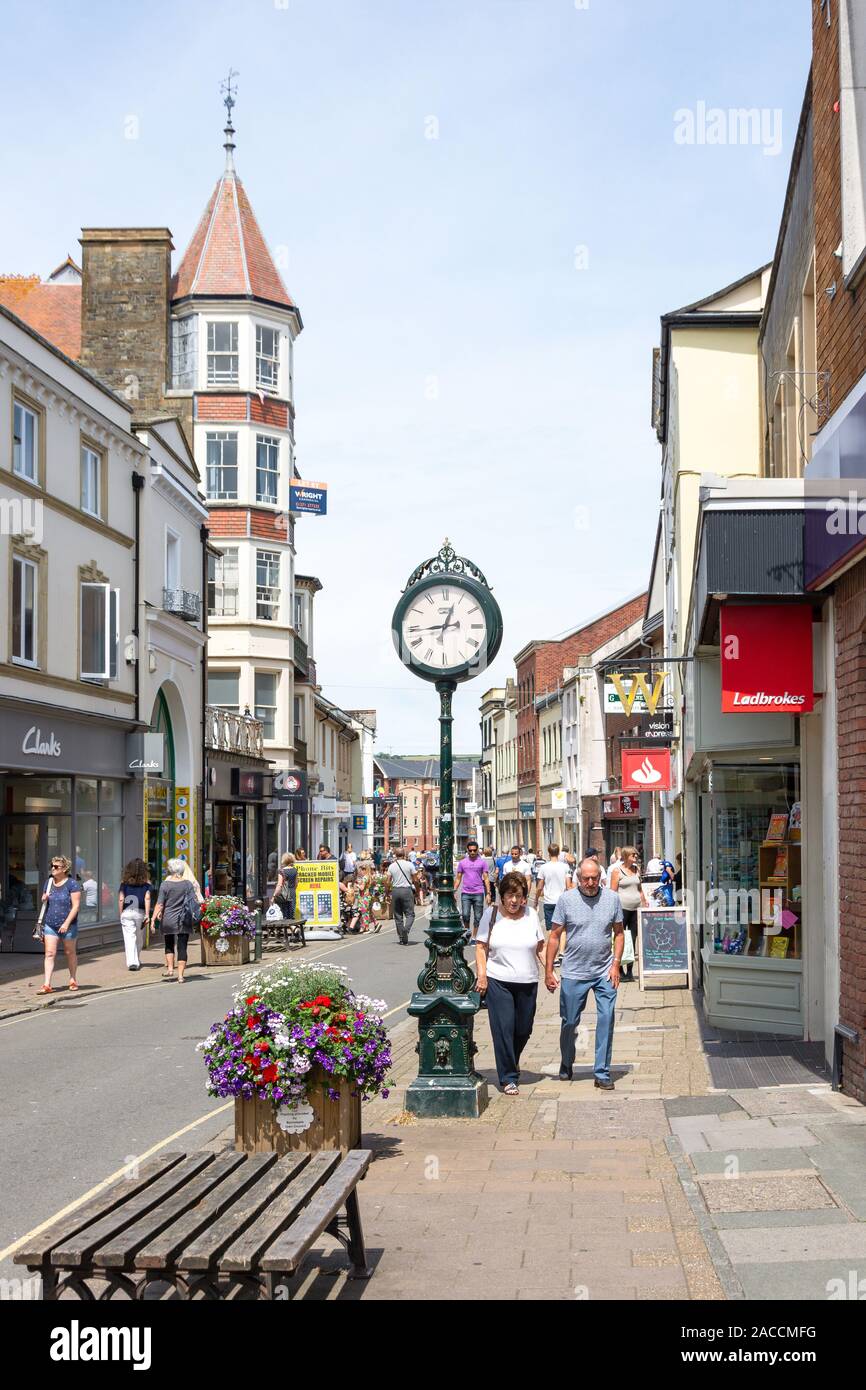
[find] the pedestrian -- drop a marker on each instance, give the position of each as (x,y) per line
(509,948)
(592,853)
(362,914)
(177,912)
(492,871)
(348,864)
(402,895)
(516,864)
(377,858)
(300,855)
(472,886)
(133,906)
(587,914)
(190,878)
(286,888)
(626,881)
(325,852)
(554,879)
(678,879)
(62,899)
(90,889)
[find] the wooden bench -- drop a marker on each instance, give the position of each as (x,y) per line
(289,930)
(208,1225)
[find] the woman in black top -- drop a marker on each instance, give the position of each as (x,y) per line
(177,909)
(287,884)
(133,906)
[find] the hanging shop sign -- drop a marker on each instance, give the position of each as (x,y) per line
(311,499)
(182,823)
(247,786)
(526,810)
(766,659)
(618,806)
(145,754)
(158,805)
(343,809)
(646,769)
(656,728)
(558,799)
(634,693)
(359,822)
(289,782)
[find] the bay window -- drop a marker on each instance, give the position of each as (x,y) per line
(222,585)
(222,465)
(222,354)
(268,584)
(266,702)
(267,468)
(267,358)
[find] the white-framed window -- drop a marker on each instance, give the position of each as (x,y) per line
(100,607)
(268,584)
(222,465)
(222,354)
(25,442)
(852,131)
(266,702)
(223,689)
(267,468)
(267,358)
(299,616)
(172,559)
(184,354)
(298,712)
(25,588)
(91,481)
(222,584)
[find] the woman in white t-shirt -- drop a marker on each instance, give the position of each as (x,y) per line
(508,951)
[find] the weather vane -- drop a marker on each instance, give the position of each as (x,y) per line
(228,90)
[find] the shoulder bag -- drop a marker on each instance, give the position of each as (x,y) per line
(494,913)
(38,933)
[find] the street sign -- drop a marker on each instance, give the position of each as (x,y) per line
(359,822)
(656,728)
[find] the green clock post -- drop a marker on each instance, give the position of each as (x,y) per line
(447,628)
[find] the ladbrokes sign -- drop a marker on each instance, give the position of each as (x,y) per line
(766,658)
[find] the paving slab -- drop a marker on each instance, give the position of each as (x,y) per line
(798,1101)
(758,1134)
(748,1220)
(846,1182)
(716,1104)
(765,1194)
(771,1245)
(689,1129)
(771,1160)
(813,1281)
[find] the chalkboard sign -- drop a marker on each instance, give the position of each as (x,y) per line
(664,942)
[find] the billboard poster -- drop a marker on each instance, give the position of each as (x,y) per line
(318,898)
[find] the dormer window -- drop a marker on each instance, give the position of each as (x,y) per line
(222,354)
(267,358)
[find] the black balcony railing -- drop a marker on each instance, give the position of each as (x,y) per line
(182,603)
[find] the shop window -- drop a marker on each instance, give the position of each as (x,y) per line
(86,794)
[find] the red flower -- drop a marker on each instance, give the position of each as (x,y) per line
(305,1006)
(341,1018)
(262,1045)
(315,1011)
(253,1021)
(323,999)
(332,1032)
(252,999)
(249,1059)
(270,1074)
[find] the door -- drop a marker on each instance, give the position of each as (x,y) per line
(154,852)
(25,858)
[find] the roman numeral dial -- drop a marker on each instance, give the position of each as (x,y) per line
(444,628)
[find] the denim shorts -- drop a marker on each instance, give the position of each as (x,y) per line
(69,935)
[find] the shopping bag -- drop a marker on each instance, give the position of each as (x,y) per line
(628,949)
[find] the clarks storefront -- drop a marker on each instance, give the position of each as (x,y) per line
(65,788)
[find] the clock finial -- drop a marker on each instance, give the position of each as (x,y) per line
(446,562)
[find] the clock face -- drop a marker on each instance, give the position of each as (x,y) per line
(444,627)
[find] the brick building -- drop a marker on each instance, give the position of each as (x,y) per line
(539,667)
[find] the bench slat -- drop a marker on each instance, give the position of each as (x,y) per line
(76,1251)
(114,1196)
(118,1251)
(162,1250)
(289,1249)
(204,1250)
(242,1253)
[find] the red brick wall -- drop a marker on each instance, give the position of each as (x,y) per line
(222,408)
(269,412)
(851,725)
(268,525)
(841,321)
(228,521)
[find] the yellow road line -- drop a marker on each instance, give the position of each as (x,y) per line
(112,1177)
(398,1008)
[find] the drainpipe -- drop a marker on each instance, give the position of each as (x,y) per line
(137,488)
(204,533)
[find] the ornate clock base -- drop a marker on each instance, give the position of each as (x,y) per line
(447,1084)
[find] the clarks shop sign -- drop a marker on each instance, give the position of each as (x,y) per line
(145,754)
(47,742)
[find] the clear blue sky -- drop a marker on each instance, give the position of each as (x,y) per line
(457,374)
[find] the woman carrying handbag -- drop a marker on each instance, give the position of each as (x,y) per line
(58,920)
(509,947)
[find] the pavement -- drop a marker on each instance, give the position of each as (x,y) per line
(667,1188)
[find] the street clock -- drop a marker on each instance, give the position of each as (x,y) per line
(447,624)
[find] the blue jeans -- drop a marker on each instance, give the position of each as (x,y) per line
(471,905)
(548,915)
(573,995)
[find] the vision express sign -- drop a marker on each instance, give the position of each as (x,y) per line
(656,728)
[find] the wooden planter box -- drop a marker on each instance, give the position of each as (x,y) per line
(336,1123)
(383,911)
(238,952)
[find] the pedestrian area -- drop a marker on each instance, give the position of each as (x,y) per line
(665,1189)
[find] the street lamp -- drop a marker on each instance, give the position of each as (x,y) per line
(447,628)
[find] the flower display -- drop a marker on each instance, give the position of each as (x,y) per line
(284,1036)
(226,916)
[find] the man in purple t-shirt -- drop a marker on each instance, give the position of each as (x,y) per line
(473,885)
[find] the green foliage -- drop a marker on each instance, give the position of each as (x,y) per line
(288,983)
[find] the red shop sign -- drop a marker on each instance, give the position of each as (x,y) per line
(766,658)
(646,769)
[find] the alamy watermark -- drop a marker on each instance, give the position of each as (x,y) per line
(733,125)
(22,517)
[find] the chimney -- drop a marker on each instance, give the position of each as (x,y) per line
(125,313)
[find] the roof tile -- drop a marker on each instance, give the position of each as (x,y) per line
(228,254)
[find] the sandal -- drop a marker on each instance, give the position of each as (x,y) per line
(168,974)
(73,984)
(510,1090)
(46,989)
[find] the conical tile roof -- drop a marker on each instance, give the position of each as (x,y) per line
(228,254)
